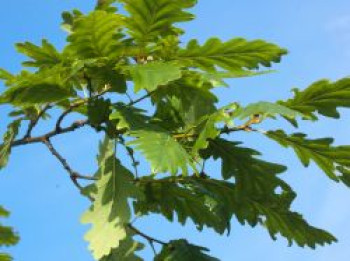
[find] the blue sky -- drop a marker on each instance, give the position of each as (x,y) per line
(45,206)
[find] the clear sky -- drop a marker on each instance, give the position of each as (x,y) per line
(45,206)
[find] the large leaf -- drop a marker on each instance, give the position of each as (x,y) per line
(45,86)
(162,151)
(232,55)
(150,19)
(9,137)
(110,210)
(330,159)
(42,56)
(151,75)
(95,35)
(323,97)
(182,250)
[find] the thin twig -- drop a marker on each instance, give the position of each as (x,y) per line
(149,94)
(130,152)
(147,237)
(34,122)
(73,174)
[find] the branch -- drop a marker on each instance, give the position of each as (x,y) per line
(73,127)
(34,122)
(147,237)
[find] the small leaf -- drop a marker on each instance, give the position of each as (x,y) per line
(182,250)
(9,137)
(151,75)
(98,111)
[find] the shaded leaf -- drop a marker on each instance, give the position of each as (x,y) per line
(184,251)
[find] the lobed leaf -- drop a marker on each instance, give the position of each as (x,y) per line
(150,19)
(233,55)
(329,158)
(42,56)
(5,147)
(110,210)
(322,97)
(184,251)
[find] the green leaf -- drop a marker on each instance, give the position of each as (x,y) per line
(239,161)
(162,151)
(217,78)
(5,257)
(152,75)
(184,251)
(184,198)
(98,111)
(189,98)
(150,19)
(42,56)
(45,86)
(7,236)
(232,55)
(209,130)
(129,117)
(326,156)
(322,97)
(125,251)
(6,76)
(9,137)
(267,109)
(110,211)
(95,35)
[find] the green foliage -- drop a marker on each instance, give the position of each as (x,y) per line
(150,19)
(322,97)
(7,236)
(112,57)
(329,158)
(162,151)
(95,35)
(232,55)
(44,56)
(9,137)
(182,250)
